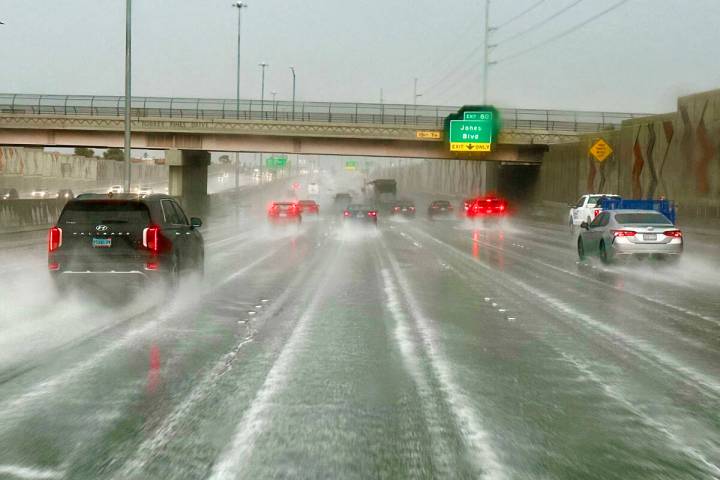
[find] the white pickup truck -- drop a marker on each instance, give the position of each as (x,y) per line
(586,209)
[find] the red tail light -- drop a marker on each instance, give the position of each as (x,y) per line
(623,233)
(502,207)
(412,209)
(346,213)
(396,209)
(151,238)
(152,266)
(53,266)
(674,233)
(372,214)
(596,212)
(54,239)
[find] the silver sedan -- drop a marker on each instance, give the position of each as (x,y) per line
(616,233)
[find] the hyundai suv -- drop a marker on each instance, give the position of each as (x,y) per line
(101,239)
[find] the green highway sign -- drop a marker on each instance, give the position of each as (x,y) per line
(481,116)
(473,129)
(351,165)
(273,163)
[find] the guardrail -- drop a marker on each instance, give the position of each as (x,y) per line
(22,213)
(427,116)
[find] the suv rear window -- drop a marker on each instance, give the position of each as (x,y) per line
(104,212)
(642,218)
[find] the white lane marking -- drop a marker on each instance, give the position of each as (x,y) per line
(166,432)
(640,348)
(29,473)
(44,388)
(675,442)
(256,417)
(440,450)
(478,439)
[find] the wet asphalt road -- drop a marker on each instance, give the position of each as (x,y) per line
(415,350)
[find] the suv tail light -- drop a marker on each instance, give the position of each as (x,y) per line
(54,239)
(673,233)
(623,233)
(151,238)
(596,212)
(372,214)
(346,213)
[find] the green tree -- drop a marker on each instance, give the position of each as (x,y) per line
(84,152)
(114,154)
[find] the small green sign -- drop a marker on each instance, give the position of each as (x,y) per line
(273,163)
(351,165)
(481,116)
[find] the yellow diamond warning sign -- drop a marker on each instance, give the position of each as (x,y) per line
(600,150)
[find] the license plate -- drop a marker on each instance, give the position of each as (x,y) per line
(360,215)
(102,242)
(650,237)
(443,209)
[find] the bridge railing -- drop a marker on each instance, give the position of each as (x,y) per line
(424,116)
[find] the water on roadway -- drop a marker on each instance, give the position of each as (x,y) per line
(417,349)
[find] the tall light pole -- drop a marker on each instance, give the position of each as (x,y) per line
(263,65)
(487,63)
(274,94)
(292,69)
(239,6)
(128,98)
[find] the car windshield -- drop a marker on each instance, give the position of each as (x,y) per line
(649,218)
(104,212)
(594,199)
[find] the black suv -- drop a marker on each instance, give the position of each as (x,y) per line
(100,238)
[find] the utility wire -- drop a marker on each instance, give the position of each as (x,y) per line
(527,10)
(541,23)
(455,70)
(564,33)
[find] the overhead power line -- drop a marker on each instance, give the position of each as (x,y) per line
(564,33)
(541,23)
(519,15)
(454,70)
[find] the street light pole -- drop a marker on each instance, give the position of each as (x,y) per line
(263,65)
(292,69)
(128,102)
(239,6)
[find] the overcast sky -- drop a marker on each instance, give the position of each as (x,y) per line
(638,57)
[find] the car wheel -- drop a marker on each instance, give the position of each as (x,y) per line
(604,256)
(581,249)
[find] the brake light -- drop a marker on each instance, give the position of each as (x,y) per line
(53,266)
(396,209)
(673,233)
(623,233)
(346,213)
(596,212)
(151,238)
(152,266)
(372,214)
(54,239)
(412,209)
(502,207)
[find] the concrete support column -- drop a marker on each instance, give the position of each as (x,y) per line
(187,178)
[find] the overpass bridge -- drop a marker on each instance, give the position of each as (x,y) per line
(189,128)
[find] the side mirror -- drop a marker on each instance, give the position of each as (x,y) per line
(195,222)
(585,226)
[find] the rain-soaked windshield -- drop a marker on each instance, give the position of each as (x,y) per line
(266,239)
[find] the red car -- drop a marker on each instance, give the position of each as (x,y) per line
(284,212)
(309,206)
(487,206)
